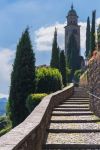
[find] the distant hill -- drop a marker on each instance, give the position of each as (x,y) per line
(3,102)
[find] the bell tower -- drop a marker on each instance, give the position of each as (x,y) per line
(72,27)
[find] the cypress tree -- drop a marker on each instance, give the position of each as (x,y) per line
(93,32)
(63,67)
(73,58)
(22,79)
(87,38)
(55,52)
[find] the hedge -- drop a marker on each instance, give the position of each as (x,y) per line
(33,100)
(48,80)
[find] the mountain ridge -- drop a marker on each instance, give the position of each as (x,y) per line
(3,102)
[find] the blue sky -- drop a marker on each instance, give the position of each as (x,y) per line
(41,16)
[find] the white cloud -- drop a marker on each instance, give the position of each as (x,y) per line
(98,21)
(83,37)
(44,36)
(3,95)
(6,57)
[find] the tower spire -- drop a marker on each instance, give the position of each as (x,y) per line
(72,6)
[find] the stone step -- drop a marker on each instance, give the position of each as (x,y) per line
(71,114)
(74,126)
(68,112)
(78,106)
(73,130)
(74,138)
(71,147)
(75,121)
(70,109)
(76,101)
(72,103)
(85,117)
(79,98)
(80,94)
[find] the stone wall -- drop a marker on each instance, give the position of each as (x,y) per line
(30,134)
(94,83)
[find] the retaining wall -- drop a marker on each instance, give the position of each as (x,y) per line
(94,84)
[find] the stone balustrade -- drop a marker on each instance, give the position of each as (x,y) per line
(30,134)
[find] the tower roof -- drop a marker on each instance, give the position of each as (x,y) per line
(72,11)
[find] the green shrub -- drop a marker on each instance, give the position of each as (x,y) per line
(8,111)
(33,100)
(77,75)
(5,130)
(5,125)
(68,74)
(48,80)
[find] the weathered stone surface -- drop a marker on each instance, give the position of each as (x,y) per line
(94,84)
(30,134)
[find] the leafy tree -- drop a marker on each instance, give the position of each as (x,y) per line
(22,79)
(93,32)
(55,52)
(63,67)
(88,38)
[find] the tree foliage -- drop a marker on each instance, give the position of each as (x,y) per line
(55,52)
(63,67)
(22,79)
(33,100)
(48,80)
(88,40)
(77,74)
(73,58)
(98,37)
(93,44)
(68,72)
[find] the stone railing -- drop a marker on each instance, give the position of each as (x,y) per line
(30,134)
(94,84)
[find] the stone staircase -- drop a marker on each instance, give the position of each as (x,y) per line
(73,125)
